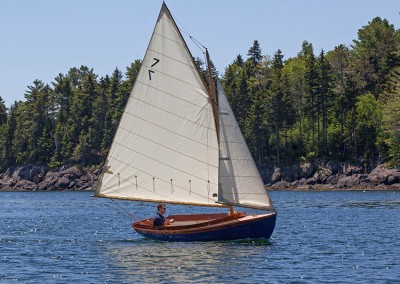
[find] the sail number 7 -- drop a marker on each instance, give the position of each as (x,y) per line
(151,71)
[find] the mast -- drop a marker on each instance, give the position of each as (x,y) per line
(213,94)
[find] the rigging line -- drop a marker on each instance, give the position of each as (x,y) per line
(195,41)
(107,204)
(123,209)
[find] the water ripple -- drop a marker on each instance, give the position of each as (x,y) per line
(320,237)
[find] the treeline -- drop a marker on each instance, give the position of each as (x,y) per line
(72,121)
(342,104)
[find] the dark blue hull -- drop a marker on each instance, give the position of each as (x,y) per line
(248,227)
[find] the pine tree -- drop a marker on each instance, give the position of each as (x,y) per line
(368,127)
(3,112)
(391,117)
(325,77)
(311,81)
(63,94)
(375,51)
(255,53)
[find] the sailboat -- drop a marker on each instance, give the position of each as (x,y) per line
(178,142)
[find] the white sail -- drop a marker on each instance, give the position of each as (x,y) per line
(166,146)
(240,183)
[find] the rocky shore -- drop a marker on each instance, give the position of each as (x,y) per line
(303,177)
(332,176)
(41,178)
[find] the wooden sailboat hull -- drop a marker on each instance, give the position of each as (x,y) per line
(209,227)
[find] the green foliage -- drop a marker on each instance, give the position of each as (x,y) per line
(71,122)
(336,105)
(391,117)
(368,124)
(375,51)
(342,104)
(254,53)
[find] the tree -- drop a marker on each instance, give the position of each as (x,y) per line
(277,100)
(368,126)
(3,112)
(3,132)
(391,117)
(311,84)
(255,53)
(63,94)
(325,93)
(84,134)
(375,51)
(344,98)
(294,71)
(8,152)
(131,74)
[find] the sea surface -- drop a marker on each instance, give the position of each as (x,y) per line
(320,237)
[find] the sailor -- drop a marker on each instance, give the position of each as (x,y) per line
(159,218)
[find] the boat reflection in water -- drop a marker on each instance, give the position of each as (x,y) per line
(179,262)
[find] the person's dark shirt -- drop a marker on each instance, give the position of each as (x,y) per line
(158,220)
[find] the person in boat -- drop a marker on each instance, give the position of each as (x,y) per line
(159,219)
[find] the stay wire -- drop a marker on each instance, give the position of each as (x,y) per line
(195,41)
(118,206)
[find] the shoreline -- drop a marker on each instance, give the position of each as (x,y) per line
(333,188)
(303,177)
(268,188)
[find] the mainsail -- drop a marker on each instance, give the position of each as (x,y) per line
(166,146)
(240,183)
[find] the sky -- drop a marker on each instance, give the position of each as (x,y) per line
(42,38)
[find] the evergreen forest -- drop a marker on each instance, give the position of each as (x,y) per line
(342,104)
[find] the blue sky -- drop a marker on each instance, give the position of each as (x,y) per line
(42,38)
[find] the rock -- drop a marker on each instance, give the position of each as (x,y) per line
(310,181)
(72,173)
(71,184)
(306,170)
(28,177)
(4,186)
(37,173)
(43,185)
(350,181)
(98,172)
(281,185)
(349,169)
(276,176)
(20,173)
(334,167)
(331,180)
(393,178)
(26,185)
(303,176)
(62,183)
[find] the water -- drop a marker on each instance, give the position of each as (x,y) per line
(320,237)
